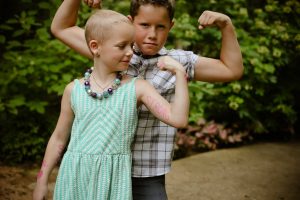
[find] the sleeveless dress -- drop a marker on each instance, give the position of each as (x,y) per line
(97,163)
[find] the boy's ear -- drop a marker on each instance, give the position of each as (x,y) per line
(95,47)
(172,24)
(130,18)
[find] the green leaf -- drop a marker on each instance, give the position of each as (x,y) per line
(67,77)
(2,39)
(44,5)
(16,101)
(38,106)
(12,44)
(5,27)
(12,21)
(18,33)
(2,108)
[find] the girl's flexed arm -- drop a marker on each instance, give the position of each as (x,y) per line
(176,113)
(56,145)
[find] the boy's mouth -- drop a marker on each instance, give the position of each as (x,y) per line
(150,43)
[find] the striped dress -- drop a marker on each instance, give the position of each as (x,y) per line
(97,163)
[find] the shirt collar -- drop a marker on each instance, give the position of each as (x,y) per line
(162,52)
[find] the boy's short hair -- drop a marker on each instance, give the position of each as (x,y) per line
(168,4)
(101,22)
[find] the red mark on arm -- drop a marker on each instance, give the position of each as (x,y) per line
(157,107)
(40,174)
(44,164)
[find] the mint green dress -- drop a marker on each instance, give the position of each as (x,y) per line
(97,163)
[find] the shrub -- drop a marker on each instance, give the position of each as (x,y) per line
(35,67)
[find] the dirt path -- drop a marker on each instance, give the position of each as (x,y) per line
(17,183)
(265,171)
(262,171)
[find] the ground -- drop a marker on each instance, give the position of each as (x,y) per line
(262,171)
(17,183)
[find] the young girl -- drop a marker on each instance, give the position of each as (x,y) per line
(100,113)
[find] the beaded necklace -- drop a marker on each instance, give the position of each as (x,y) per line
(105,93)
(102,88)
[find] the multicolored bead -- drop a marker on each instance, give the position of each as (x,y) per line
(99,96)
(110,91)
(117,81)
(105,94)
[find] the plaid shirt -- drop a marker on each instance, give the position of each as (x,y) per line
(152,149)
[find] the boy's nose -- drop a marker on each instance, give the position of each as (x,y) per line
(152,32)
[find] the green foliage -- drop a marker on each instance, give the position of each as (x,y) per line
(35,67)
(263,100)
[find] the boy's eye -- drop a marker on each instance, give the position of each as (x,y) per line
(161,26)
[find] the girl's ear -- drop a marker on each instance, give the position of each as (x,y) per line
(95,47)
(130,18)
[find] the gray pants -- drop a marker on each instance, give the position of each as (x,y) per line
(149,188)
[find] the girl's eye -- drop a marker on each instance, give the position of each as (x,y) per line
(121,46)
(144,25)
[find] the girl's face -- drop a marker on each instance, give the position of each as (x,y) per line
(116,51)
(152,25)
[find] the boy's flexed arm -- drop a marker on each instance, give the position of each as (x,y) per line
(64,26)
(230,65)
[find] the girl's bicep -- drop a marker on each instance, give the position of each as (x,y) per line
(155,103)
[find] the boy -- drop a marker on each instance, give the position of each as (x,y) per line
(153,145)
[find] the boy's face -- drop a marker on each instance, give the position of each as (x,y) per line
(152,25)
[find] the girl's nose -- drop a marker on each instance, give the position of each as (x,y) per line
(129,51)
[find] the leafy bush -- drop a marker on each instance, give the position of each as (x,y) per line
(263,100)
(35,67)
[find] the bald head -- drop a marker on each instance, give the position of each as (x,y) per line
(101,23)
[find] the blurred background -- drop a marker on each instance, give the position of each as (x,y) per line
(263,105)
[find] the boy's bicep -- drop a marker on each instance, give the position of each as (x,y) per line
(74,38)
(211,70)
